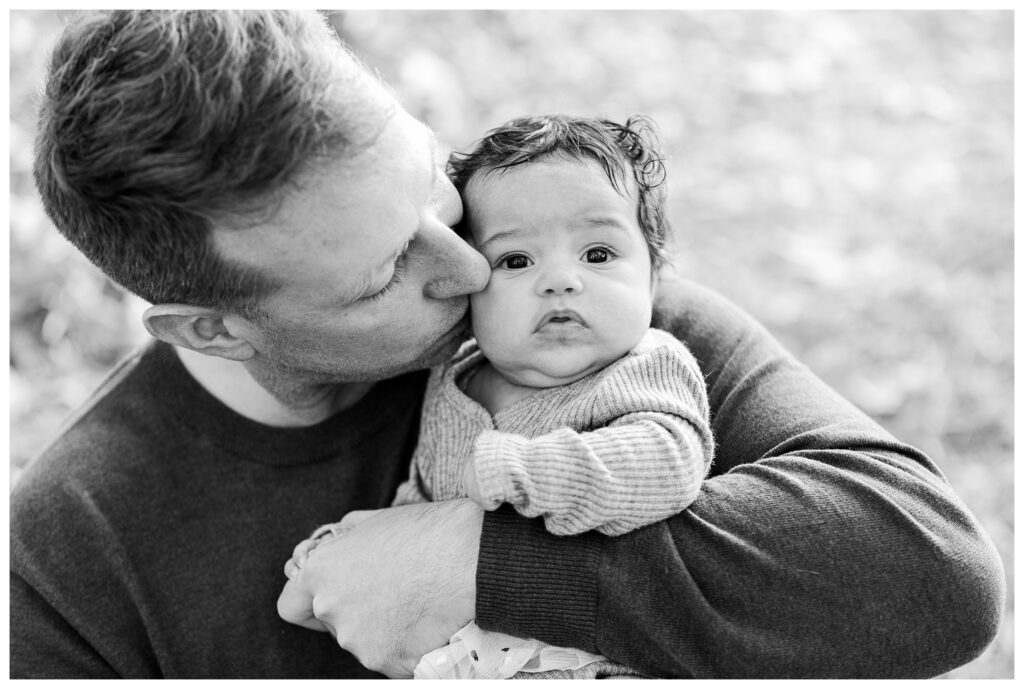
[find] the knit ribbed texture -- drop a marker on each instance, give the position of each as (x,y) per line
(515,546)
(148,540)
(532,589)
(624,447)
(621,448)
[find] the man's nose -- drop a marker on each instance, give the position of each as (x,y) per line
(558,280)
(456,268)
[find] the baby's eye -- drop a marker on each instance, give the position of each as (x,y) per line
(599,255)
(514,262)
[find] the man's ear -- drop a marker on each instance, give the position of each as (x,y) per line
(203,330)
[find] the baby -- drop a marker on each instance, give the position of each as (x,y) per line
(567,405)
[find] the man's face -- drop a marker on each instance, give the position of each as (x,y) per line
(375,282)
(570,287)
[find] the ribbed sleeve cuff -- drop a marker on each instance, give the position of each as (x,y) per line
(535,585)
(496,457)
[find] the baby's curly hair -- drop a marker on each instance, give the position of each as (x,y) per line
(624,151)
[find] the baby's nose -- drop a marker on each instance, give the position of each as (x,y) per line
(559,281)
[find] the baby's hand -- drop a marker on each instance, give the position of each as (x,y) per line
(470,484)
(472,487)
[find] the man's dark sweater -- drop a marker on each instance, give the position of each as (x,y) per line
(148,540)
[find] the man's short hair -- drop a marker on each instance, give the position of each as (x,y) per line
(154,125)
(624,151)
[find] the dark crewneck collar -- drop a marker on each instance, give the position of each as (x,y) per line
(195,408)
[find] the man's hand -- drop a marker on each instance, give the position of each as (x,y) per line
(393,585)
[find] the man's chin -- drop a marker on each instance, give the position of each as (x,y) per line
(440,351)
(446,345)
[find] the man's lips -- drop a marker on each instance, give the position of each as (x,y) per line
(561,316)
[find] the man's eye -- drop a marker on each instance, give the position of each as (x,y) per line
(597,256)
(514,262)
(396,279)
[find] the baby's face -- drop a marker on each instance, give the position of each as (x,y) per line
(570,288)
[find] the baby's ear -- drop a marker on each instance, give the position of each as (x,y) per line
(203,330)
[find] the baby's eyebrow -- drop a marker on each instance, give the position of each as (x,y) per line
(601,221)
(612,223)
(498,236)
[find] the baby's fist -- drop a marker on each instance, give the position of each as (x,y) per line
(472,486)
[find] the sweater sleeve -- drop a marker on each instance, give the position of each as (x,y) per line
(417,487)
(44,644)
(72,607)
(645,464)
(820,547)
(410,492)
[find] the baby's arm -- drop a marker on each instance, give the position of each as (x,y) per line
(417,488)
(410,491)
(645,463)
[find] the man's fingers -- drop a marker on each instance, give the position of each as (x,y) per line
(295,604)
(291,568)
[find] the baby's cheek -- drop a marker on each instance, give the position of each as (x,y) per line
(478,310)
(486,321)
(492,305)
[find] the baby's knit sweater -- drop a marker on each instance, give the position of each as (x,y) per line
(624,447)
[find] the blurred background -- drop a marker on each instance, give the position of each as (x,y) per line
(847,177)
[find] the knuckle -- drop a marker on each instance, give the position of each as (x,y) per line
(372,661)
(368,658)
(319,608)
(353,516)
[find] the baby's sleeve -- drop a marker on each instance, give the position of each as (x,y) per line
(412,490)
(644,460)
(417,487)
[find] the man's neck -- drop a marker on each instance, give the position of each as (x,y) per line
(273,404)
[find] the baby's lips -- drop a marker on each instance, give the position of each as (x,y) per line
(562,315)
